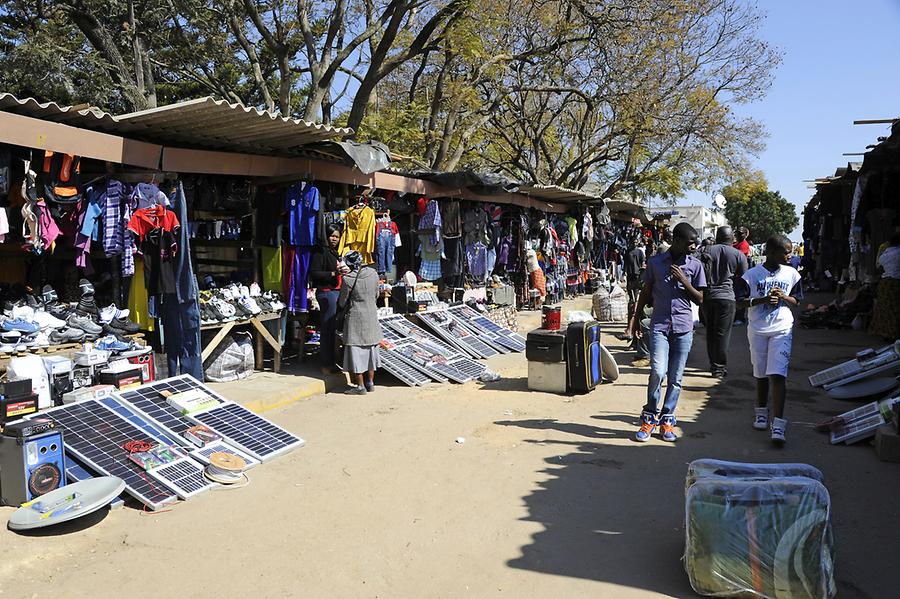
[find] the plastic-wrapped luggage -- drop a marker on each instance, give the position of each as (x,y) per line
(752,533)
(610,306)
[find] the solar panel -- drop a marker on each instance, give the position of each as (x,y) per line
(142,423)
(96,436)
(249,432)
(201,454)
(867,364)
(76,473)
(149,400)
(444,326)
(184,476)
(406,373)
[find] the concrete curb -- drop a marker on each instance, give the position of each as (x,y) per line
(264,392)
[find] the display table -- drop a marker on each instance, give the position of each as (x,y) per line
(262,334)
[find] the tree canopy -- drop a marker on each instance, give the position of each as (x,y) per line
(763,212)
(608,95)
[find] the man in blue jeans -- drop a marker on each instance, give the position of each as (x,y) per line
(673,280)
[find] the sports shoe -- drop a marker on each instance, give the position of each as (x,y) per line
(667,428)
(111,344)
(39,339)
(641,362)
(88,307)
(47,321)
(249,304)
(254,290)
(10,338)
(112,311)
(123,324)
(79,321)
(66,335)
(17,324)
(370,386)
(86,288)
(761,419)
(23,312)
(355,391)
(49,295)
(648,426)
(779,427)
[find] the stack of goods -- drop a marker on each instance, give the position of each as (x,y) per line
(235,302)
(32,321)
(758,530)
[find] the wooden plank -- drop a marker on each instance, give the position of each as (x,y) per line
(875,121)
(220,336)
(265,333)
(45,135)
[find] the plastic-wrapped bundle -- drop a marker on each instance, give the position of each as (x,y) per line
(707,468)
(759,538)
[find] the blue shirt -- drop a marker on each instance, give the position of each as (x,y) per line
(302,205)
(671,305)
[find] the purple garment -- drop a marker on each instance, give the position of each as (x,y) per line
(113,225)
(671,306)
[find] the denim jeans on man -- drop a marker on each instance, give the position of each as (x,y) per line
(668,355)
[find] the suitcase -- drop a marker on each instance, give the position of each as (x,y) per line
(759,538)
(542,345)
(583,355)
(549,377)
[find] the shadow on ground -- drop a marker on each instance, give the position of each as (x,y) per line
(614,512)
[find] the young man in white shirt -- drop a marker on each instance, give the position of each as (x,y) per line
(772,290)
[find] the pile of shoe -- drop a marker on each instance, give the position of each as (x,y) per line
(235,302)
(36,321)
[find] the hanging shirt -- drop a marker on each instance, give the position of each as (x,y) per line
(359,233)
(146,219)
(301,203)
(452,220)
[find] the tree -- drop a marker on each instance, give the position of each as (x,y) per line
(764,213)
(745,186)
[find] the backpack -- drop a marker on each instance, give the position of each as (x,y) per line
(60,177)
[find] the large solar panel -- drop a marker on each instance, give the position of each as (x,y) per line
(445,327)
(249,432)
(398,367)
(142,423)
(482,324)
(185,476)
(150,401)
(96,436)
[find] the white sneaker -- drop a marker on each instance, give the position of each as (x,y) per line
(249,304)
(26,313)
(779,427)
(47,321)
(254,290)
(40,339)
(112,311)
(761,421)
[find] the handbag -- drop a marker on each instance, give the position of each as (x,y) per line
(344,312)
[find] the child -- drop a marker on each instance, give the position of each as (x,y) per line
(774,288)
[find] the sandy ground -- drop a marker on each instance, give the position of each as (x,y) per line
(547,497)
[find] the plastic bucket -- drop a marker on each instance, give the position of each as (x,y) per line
(550,319)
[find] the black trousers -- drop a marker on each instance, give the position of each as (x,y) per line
(719,317)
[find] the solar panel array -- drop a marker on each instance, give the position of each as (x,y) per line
(398,367)
(444,326)
(482,323)
(97,436)
(261,438)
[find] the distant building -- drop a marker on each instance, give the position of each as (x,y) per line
(705,220)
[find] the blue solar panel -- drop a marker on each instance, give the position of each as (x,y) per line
(259,437)
(141,422)
(149,400)
(96,436)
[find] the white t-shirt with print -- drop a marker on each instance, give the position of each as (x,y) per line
(763,317)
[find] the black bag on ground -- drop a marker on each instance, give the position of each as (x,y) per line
(583,355)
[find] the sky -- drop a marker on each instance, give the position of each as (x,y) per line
(841,62)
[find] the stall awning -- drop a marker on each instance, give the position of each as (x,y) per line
(632,209)
(562,195)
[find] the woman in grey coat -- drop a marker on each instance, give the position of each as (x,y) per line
(362,331)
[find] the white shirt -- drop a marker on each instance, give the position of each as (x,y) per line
(890,262)
(763,317)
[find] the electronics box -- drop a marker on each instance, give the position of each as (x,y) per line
(122,375)
(13,407)
(549,377)
(143,358)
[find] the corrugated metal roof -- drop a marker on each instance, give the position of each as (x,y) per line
(204,123)
(555,193)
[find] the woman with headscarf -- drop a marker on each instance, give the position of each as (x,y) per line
(326,272)
(362,331)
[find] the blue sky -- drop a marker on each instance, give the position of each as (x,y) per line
(841,63)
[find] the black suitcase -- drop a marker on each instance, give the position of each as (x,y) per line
(542,345)
(583,355)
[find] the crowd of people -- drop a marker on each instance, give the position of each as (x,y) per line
(716,276)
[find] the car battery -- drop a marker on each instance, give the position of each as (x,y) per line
(122,374)
(13,407)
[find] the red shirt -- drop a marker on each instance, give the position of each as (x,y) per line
(146,219)
(743,247)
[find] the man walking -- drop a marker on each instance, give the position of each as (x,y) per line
(722,264)
(673,279)
(634,268)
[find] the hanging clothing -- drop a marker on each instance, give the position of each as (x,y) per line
(475,225)
(573,230)
(269,202)
(302,207)
(431,221)
(296,262)
(139,300)
(430,270)
(452,220)
(181,334)
(359,233)
(271,268)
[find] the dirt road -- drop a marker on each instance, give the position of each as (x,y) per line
(547,497)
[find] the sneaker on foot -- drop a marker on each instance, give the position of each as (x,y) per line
(370,386)
(779,426)
(648,426)
(761,420)
(356,391)
(667,428)
(641,362)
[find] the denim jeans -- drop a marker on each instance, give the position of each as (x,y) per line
(327,310)
(384,251)
(668,355)
(181,336)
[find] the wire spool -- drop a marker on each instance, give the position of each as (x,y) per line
(226,468)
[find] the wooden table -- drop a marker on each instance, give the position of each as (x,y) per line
(263,334)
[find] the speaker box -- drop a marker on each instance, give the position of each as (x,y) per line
(31,466)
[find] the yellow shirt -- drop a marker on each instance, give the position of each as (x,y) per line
(359,233)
